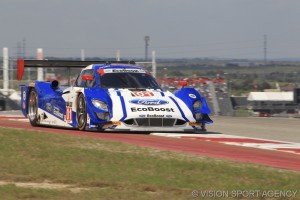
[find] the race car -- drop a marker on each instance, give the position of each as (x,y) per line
(111,96)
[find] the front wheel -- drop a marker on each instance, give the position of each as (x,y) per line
(33,108)
(81,113)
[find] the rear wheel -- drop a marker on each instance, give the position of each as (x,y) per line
(81,113)
(33,108)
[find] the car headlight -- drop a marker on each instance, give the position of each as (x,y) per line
(100,104)
(197,105)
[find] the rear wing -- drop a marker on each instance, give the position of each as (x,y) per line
(60,64)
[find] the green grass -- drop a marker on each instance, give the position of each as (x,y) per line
(114,170)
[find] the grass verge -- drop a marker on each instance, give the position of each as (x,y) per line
(114,170)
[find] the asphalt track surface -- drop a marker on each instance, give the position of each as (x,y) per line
(270,128)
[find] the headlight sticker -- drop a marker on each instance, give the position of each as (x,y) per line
(192,96)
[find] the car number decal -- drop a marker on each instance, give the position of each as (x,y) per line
(142,94)
(68,114)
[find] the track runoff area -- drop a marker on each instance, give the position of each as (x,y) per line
(239,141)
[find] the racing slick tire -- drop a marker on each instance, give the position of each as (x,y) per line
(81,113)
(33,108)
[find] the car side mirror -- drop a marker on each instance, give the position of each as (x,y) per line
(182,83)
(87,77)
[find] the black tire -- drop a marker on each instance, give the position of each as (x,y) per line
(81,113)
(33,108)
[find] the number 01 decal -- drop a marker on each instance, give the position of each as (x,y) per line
(68,114)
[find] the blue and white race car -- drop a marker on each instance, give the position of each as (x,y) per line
(118,96)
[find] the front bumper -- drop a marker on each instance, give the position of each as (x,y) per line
(121,126)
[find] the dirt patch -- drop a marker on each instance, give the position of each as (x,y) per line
(46,185)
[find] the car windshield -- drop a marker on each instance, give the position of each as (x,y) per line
(129,81)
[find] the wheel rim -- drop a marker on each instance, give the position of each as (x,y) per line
(32,106)
(81,112)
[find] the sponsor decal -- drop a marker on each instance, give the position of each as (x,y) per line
(151,109)
(57,112)
(149,102)
(192,96)
(48,107)
(88,120)
(142,94)
(23,105)
(24,95)
(123,70)
(51,122)
(155,115)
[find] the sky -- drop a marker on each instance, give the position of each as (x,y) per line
(177,28)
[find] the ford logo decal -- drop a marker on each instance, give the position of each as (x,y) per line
(149,102)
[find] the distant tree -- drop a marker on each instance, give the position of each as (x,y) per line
(175,73)
(264,85)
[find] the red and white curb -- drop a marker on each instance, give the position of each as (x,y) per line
(12,117)
(239,141)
